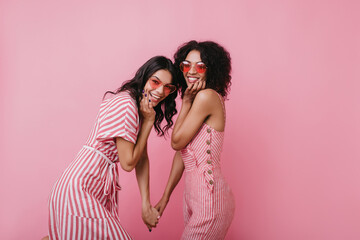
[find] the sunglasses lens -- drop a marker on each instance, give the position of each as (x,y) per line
(185,66)
(169,89)
(200,67)
(154,83)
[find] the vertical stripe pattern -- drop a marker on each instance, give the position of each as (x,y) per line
(208,200)
(83,201)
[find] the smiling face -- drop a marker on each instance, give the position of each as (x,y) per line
(193,75)
(157,86)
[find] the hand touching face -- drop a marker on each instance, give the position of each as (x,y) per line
(159,86)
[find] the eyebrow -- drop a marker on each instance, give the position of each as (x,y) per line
(156,77)
(194,62)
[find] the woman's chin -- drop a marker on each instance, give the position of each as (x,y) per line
(155,103)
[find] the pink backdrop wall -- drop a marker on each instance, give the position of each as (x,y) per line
(292,145)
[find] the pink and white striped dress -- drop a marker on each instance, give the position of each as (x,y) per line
(208,200)
(83,202)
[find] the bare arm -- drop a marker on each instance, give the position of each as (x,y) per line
(135,156)
(130,153)
(191,117)
(150,215)
(177,170)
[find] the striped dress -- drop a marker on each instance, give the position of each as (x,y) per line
(83,201)
(208,201)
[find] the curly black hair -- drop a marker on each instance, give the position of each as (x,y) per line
(167,107)
(217,60)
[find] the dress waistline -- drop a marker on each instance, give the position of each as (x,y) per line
(111,178)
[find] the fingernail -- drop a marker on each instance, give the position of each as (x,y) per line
(143,91)
(145,94)
(149,100)
(149,230)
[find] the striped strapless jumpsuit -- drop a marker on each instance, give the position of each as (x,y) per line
(83,201)
(208,200)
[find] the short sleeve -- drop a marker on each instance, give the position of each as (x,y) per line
(118,117)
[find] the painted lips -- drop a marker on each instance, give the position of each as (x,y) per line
(154,97)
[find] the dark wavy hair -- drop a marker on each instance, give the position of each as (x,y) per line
(135,86)
(217,60)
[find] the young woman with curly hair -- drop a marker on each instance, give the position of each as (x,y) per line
(83,202)
(203,69)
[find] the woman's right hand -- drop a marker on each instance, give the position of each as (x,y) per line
(192,90)
(161,205)
(146,108)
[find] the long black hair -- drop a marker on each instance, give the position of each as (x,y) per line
(217,60)
(167,107)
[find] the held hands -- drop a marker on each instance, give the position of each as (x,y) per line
(161,205)
(146,108)
(192,90)
(150,217)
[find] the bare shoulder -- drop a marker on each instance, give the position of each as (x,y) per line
(206,101)
(207,95)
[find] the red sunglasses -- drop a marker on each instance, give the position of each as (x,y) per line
(185,66)
(156,83)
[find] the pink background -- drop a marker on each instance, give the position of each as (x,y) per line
(292,144)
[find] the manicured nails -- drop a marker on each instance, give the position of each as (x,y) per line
(145,95)
(149,100)
(143,91)
(149,230)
